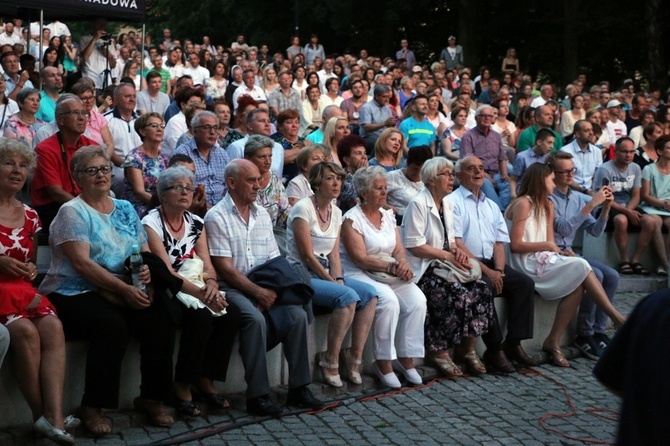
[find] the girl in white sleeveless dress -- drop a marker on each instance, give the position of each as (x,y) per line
(534,252)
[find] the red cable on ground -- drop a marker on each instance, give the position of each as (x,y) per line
(573,411)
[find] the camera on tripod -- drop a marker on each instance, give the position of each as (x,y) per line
(108,37)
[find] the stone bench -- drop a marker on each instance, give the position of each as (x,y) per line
(15,410)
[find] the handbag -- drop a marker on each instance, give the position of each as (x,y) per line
(381,276)
(451,273)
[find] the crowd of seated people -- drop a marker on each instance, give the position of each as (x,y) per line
(389,197)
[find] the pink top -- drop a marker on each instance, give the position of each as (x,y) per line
(96,122)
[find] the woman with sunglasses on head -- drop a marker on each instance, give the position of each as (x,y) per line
(145,163)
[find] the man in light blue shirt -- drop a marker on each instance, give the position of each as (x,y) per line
(585,156)
(480,230)
(573,211)
(376,116)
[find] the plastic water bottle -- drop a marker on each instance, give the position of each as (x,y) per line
(135,267)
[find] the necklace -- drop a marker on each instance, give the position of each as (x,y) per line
(26,121)
(318,211)
(175,230)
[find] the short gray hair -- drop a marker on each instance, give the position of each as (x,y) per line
(432,166)
(172,174)
(481,108)
(327,112)
(65,98)
(232,169)
(197,119)
(10,147)
(381,89)
(459,163)
(85,154)
(256,143)
(23,94)
(365,177)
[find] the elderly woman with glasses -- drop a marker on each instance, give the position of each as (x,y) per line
(457,312)
(178,237)
(145,163)
(91,238)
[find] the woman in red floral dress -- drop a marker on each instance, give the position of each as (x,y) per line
(37,341)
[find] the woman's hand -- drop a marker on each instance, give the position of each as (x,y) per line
(135,298)
(218,303)
(209,294)
(145,275)
(403,270)
(461,257)
(14,268)
(552,247)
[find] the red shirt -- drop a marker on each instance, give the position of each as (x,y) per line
(53,170)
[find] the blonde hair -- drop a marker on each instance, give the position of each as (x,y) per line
(380,145)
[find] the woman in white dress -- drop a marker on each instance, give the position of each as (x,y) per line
(557,274)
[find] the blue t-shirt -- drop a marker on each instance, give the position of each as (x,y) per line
(417,133)
(47,110)
(109,236)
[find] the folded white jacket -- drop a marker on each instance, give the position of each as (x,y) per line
(191,270)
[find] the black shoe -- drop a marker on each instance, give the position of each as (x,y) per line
(262,406)
(302,397)
(589,347)
(602,339)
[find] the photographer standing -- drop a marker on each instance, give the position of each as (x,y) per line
(99,57)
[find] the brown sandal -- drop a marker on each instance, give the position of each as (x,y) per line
(155,411)
(445,364)
(556,356)
(94,421)
(472,363)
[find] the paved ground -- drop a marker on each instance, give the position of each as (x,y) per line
(487,410)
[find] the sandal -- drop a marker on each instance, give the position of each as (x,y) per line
(660,271)
(331,380)
(94,421)
(473,364)
(187,408)
(556,356)
(155,411)
(625,268)
(639,269)
(353,375)
(445,364)
(217,401)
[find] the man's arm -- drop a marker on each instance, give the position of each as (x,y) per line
(225,269)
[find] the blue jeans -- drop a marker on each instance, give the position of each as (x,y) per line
(590,318)
(500,194)
(334,296)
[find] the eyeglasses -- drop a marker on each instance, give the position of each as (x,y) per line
(486,116)
(449,174)
(208,128)
(93,171)
(155,126)
(566,172)
(83,113)
(182,189)
(87,98)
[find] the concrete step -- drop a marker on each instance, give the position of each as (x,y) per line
(641,284)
